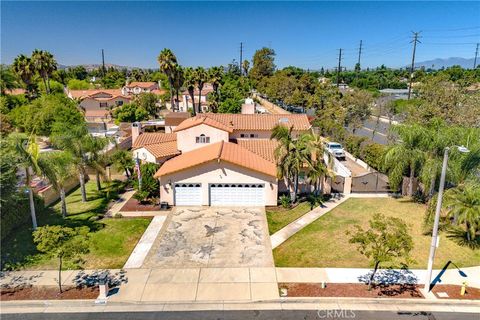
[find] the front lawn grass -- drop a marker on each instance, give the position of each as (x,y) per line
(324,243)
(279,217)
(111,240)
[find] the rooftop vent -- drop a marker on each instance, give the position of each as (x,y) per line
(283,120)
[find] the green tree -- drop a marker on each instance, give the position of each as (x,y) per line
(60,169)
(63,243)
(97,157)
(463,205)
(147,101)
(263,64)
(24,68)
(75,84)
(7,80)
(178,79)
(168,62)
(245,67)
(200,78)
(190,83)
(405,156)
(357,106)
(386,239)
(129,112)
(150,185)
(45,64)
(122,160)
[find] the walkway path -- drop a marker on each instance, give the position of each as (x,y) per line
(146,241)
(117,206)
(286,232)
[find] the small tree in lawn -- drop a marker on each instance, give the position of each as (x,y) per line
(386,239)
(63,243)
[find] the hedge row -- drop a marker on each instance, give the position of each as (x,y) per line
(370,152)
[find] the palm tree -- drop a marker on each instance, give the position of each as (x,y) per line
(7,80)
(122,160)
(317,169)
(463,203)
(245,67)
(215,76)
(45,64)
(178,80)
(23,67)
(28,153)
(405,155)
(97,159)
(200,78)
(75,141)
(168,62)
(59,169)
(190,83)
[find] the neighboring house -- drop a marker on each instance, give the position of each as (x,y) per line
(137,87)
(97,103)
(218,159)
(185,101)
(173,119)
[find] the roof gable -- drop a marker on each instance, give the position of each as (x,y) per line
(198,120)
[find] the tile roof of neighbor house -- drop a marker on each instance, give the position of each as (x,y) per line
(202,119)
(15,91)
(220,151)
(149,138)
(82,94)
(175,118)
(161,150)
(253,121)
(265,148)
(141,84)
(159,91)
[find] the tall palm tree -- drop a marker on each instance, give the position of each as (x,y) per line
(463,203)
(284,155)
(7,80)
(45,65)
(215,76)
(200,78)
(406,155)
(190,83)
(25,70)
(75,141)
(97,158)
(245,67)
(28,154)
(317,168)
(168,61)
(59,169)
(122,160)
(178,80)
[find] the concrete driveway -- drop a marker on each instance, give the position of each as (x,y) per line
(212,237)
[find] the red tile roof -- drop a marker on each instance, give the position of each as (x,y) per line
(220,151)
(140,84)
(149,138)
(161,150)
(265,148)
(202,119)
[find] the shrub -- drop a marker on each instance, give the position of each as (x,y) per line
(141,196)
(353,143)
(373,153)
(285,201)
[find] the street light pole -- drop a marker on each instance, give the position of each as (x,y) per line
(433,245)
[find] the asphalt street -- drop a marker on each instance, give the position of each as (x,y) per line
(248,314)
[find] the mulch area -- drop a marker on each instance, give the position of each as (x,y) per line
(351,290)
(49,293)
(134,205)
(453,292)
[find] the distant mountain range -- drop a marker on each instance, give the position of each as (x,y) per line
(448,62)
(91,67)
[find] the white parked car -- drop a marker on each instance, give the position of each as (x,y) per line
(336,149)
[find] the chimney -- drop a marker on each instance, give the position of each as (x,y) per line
(136,131)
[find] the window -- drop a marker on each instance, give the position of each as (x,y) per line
(103,104)
(242,135)
(202,139)
(253,135)
(120,103)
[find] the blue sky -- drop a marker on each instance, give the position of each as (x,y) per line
(305,34)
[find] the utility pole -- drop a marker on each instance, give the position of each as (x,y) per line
(476,55)
(103,64)
(415,41)
(241,58)
(339,67)
(359,54)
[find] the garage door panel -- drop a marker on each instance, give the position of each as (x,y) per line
(188,194)
(237,194)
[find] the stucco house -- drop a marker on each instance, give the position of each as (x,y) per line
(137,87)
(218,159)
(97,103)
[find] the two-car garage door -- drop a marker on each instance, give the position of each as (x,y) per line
(237,194)
(221,194)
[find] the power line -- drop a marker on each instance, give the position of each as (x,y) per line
(415,41)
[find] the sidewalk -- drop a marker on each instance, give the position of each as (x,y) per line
(117,206)
(286,232)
